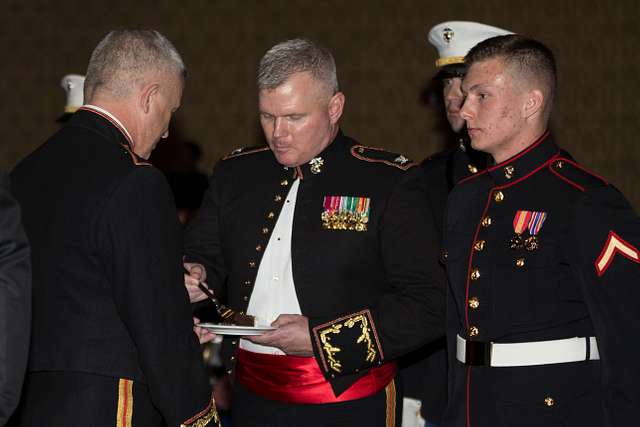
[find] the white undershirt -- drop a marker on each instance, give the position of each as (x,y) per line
(274,292)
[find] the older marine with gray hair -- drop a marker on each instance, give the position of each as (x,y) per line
(325,240)
(297,56)
(112,340)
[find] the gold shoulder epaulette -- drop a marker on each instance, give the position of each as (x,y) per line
(378,155)
(245,150)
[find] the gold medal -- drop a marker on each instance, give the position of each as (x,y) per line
(516,242)
(531,244)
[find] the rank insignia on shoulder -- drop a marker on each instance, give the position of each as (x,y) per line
(241,151)
(614,245)
(378,155)
(345,213)
(527,220)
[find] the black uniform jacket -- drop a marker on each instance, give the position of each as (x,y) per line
(15,301)
(580,280)
(383,279)
(108,293)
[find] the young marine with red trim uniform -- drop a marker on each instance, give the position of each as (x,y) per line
(542,259)
(424,371)
(112,338)
(327,239)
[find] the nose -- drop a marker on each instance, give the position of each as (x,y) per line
(279,127)
(465,110)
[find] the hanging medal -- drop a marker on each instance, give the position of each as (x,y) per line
(520,224)
(535,224)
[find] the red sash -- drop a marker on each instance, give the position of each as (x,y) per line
(299,380)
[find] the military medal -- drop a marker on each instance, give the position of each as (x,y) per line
(527,220)
(520,223)
(345,213)
(535,224)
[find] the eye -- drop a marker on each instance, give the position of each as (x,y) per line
(483,96)
(294,117)
(265,116)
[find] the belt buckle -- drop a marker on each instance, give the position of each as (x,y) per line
(478,353)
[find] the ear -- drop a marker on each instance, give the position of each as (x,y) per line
(147,96)
(534,102)
(336,106)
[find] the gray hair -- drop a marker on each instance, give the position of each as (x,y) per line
(123,57)
(296,56)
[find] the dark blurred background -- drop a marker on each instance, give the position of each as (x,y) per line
(384,67)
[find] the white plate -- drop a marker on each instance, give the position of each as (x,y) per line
(235,329)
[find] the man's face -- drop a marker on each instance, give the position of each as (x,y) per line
(297,118)
(162,104)
(493,108)
(453,100)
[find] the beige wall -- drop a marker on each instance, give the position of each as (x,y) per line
(383,59)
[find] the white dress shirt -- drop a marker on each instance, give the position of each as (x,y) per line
(274,292)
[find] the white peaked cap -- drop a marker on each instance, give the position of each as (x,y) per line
(73,85)
(454,39)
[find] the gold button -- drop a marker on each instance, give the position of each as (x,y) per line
(498,196)
(479,245)
(520,262)
(258,248)
(232,358)
(233,342)
(444,254)
(508,171)
(278,198)
(486,221)
(247,282)
(472,168)
(475,274)
(252,264)
(265,230)
(474,302)
(559,164)
(549,401)
(473,331)
(284,182)
(245,298)
(229,372)
(270,215)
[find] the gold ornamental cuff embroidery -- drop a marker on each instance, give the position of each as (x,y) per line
(204,417)
(327,334)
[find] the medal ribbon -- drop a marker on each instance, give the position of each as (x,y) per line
(535,224)
(521,221)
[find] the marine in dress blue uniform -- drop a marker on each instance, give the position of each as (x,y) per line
(543,265)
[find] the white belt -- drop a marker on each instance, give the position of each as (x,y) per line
(527,353)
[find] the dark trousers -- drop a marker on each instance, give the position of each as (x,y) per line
(381,409)
(64,399)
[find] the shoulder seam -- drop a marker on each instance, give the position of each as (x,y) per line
(576,165)
(404,167)
(236,153)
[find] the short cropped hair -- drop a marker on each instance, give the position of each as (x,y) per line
(528,58)
(296,56)
(122,58)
